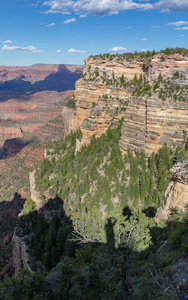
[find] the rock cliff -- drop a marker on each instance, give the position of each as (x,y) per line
(19,253)
(105,94)
(149,123)
(176,195)
(35,195)
(98,106)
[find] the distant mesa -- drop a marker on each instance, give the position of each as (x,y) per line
(38,77)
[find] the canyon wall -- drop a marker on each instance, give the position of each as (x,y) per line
(149,123)
(97,106)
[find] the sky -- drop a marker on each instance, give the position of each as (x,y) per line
(68,31)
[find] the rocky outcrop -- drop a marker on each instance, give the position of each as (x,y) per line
(122,67)
(20,253)
(149,123)
(167,65)
(36,196)
(160,63)
(176,195)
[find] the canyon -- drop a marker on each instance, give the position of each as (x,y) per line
(103,96)
(32,96)
(31,102)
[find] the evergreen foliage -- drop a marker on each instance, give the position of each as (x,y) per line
(98,231)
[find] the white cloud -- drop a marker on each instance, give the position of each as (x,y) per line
(76,51)
(37,51)
(50,25)
(111,7)
(179,23)
(144,39)
(182,28)
(94,7)
(117,49)
(69,21)
(6,42)
(155,26)
(66,13)
(27,48)
(128,27)
(171,5)
(58,51)
(143,50)
(83,16)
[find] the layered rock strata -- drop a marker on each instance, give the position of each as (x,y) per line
(149,123)
(97,106)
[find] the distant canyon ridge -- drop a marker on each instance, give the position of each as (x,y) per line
(30,97)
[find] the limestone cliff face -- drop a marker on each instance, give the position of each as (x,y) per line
(19,253)
(97,106)
(149,123)
(70,120)
(177,192)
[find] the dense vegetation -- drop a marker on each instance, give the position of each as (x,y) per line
(100,224)
(136,55)
(99,175)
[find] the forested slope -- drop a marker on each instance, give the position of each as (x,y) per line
(99,226)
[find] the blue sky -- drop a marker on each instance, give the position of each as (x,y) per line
(68,31)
